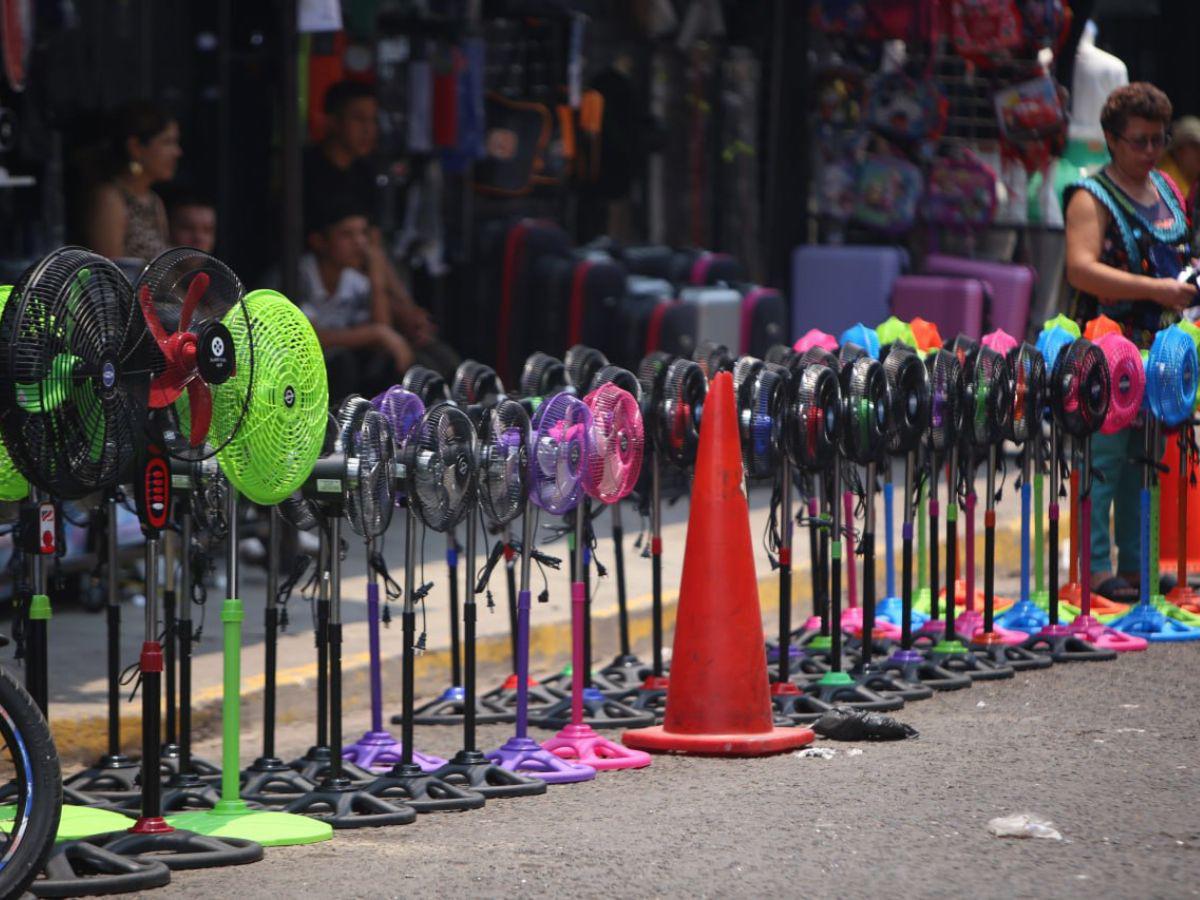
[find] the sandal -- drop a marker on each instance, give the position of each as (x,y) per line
(1117,589)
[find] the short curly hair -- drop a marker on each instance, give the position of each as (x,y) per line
(1139,100)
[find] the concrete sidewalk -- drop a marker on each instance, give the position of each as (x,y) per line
(77,681)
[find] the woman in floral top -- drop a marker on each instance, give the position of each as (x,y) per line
(1127,234)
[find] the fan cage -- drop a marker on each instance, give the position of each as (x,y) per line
(1051,343)
(684,391)
(712,358)
(1028,370)
(1171,377)
(868,411)
(582,364)
(280,439)
(864,337)
(1080,388)
(13,485)
(542,376)
(909,385)
(762,420)
(990,399)
(618,439)
(1128,376)
(560,449)
(439,467)
(816,418)
(503,478)
(619,376)
(475,382)
(945,400)
(370,501)
(76,376)
(426,384)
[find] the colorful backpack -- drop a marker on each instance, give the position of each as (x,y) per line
(984,30)
(886,193)
(1033,121)
(906,110)
(960,192)
(875,20)
(1046,22)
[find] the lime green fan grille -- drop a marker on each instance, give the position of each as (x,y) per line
(280,437)
(13,485)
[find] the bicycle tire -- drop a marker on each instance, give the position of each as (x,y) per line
(27,736)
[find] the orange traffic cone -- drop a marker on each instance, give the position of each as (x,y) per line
(718,701)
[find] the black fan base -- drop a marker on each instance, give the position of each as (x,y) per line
(82,868)
(471,770)
(180,850)
(450,707)
(1017,656)
(1068,648)
(315,766)
(424,793)
(272,782)
(341,804)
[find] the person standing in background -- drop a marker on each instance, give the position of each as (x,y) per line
(1127,233)
(191,221)
(1182,158)
(125,218)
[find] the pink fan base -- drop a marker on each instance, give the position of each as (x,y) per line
(852,622)
(970,623)
(1104,637)
(580,743)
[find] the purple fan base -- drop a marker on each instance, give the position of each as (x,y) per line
(378,751)
(524,756)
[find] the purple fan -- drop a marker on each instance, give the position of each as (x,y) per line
(559,449)
(377,750)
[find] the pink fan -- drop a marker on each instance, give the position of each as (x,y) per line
(1128,381)
(814,337)
(1000,341)
(617,442)
(609,473)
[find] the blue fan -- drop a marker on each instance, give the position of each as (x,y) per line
(865,337)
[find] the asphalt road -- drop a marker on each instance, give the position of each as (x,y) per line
(1107,751)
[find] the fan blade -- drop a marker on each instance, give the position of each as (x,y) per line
(200,409)
(150,314)
(196,289)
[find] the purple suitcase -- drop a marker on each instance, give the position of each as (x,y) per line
(835,286)
(1009,285)
(954,304)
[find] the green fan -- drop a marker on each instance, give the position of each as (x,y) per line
(269,457)
(13,485)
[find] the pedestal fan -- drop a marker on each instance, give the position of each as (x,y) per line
(1079,386)
(712,358)
(1171,378)
(673,394)
(864,420)
(356,484)
(501,483)
(909,382)
(610,439)
(74,393)
(439,460)
(270,455)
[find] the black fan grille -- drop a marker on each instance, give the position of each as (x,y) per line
(868,411)
(1029,392)
(503,462)
(475,382)
(370,502)
(622,378)
(439,460)
(76,374)
(761,418)
(542,376)
(989,399)
(909,385)
(945,400)
(1080,388)
(816,417)
(678,421)
(582,364)
(426,384)
(712,358)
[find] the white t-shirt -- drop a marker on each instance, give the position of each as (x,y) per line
(349,304)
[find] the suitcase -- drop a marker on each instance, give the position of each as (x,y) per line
(835,286)
(652,322)
(577,302)
(646,286)
(653,261)
(718,314)
(764,319)
(703,267)
(1009,285)
(955,305)
(525,242)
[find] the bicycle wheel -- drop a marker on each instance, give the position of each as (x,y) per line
(28,759)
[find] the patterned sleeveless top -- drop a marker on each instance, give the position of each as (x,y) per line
(1144,240)
(144,237)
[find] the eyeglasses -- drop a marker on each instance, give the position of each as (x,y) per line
(1146,142)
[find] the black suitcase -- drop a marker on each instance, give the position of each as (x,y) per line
(525,243)
(650,322)
(703,267)
(653,261)
(764,319)
(576,302)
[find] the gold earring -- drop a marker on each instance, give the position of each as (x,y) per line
(135,167)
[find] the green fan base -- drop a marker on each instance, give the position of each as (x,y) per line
(835,679)
(949,647)
(77,822)
(232,819)
(821,642)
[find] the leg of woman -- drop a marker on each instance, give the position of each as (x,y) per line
(1127,507)
(1109,455)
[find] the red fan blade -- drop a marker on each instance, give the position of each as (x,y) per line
(200,410)
(146,302)
(196,288)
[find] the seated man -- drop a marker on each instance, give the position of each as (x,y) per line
(341,166)
(191,222)
(365,354)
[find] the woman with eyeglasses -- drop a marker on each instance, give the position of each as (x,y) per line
(1127,235)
